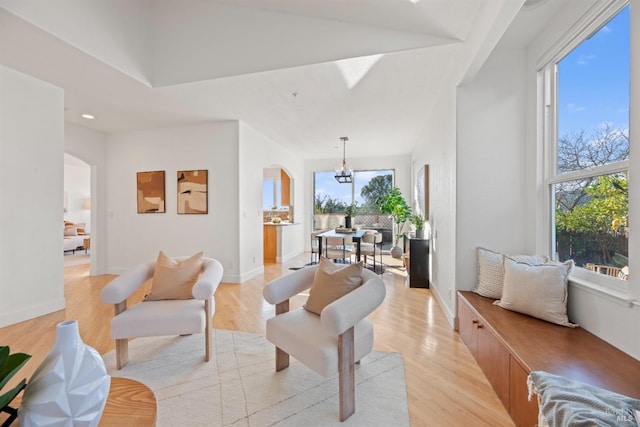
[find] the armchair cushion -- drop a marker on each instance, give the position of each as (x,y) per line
(331,282)
(300,334)
(173,279)
(155,318)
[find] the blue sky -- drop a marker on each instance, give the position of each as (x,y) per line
(326,184)
(593,80)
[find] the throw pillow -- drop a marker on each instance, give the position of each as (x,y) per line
(537,290)
(71,231)
(331,282)
(174,279)
(491,270)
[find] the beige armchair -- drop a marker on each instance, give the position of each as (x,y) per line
(330,343)
(163,317)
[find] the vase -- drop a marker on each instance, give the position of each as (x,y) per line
(396,252)
(347,222)
(70,387)
(420,234)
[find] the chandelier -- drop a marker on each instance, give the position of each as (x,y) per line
(343,175)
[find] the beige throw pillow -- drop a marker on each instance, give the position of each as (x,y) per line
(332,281)
(174,279)
(491,270)
(71,231)
(537,290)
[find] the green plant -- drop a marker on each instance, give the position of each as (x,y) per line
(394,204)
(350,210)
(418,221)
(9,365)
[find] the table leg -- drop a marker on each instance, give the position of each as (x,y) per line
(319,247)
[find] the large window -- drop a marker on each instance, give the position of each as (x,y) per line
(332,198)
(587,133)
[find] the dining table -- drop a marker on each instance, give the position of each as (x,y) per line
(355,235)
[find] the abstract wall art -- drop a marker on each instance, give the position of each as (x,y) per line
(193,192)
(151,192)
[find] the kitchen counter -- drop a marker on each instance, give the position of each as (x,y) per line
(276,241)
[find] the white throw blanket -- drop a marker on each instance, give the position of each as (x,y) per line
(564,402)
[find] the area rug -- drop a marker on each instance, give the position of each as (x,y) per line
(239,386)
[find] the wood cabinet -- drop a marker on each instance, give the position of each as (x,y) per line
(269,243)
(418,265)
(508,346)
(491,355)
(522,410)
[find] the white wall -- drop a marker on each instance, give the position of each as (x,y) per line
(491,192)
(256,153)
(235,155)
(31,203)
(89,146)
(437,148)
(77,187)
(132,238)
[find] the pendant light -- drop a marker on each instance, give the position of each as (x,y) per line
(344,175)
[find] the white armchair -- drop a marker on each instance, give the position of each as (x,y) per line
(164,317)
(331,342)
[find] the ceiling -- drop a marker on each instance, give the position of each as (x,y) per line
(301,72)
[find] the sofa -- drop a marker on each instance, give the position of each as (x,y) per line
(74,235)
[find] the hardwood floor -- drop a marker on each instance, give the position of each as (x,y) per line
(445,386)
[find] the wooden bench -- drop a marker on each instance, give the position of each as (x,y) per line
(508,346)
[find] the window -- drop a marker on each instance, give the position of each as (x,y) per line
(271,194)
(587,133)
(332,198)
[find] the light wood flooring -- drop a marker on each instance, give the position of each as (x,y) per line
(445,386)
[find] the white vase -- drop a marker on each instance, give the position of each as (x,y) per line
(396,252)
(70,387)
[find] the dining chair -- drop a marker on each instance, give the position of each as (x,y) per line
(371,246)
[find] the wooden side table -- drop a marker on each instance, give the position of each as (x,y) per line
(130,403)
(86,244)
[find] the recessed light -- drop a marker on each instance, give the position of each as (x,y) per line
(88,116)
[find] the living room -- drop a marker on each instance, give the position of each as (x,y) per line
(478,133)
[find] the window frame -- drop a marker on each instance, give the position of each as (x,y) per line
(547,77)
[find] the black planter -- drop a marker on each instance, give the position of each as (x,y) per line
(347,222)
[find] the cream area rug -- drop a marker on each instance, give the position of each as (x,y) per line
(240,387)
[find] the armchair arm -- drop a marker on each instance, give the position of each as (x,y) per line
(209,279)
(345,312)
(283,288)
(121,288)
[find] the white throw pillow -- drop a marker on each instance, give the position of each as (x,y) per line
(537,290)
(491,270)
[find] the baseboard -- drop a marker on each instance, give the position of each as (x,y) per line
(234,278)
(28,313)
(448,314)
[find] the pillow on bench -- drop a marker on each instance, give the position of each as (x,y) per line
(537,290)
(491,270)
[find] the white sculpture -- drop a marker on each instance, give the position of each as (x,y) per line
(70,387)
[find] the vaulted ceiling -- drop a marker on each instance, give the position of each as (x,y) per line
(301,72)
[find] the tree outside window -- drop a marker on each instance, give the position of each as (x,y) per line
(590,183)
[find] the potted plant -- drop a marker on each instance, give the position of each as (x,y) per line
(349,213)
(394,204)
(9,366)
(418,221)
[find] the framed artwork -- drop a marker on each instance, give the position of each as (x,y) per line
(193,192)
(151,192)
(422,191)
